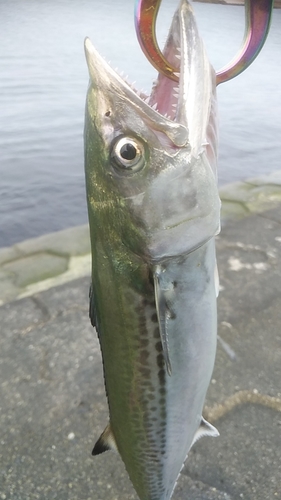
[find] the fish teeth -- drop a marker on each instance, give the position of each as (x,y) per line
(177,74)
(155,106)
(178,56)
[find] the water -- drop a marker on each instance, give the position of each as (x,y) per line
(43,82)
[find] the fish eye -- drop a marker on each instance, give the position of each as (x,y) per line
(128,154)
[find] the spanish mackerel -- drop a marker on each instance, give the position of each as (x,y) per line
(154,210)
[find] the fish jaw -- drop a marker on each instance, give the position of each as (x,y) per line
(173,200)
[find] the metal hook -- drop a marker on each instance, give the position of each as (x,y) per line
(257,23)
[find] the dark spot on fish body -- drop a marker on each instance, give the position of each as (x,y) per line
(154,318)
(160,361)
(156,333)
(160,431)
(153,408)
(146,372)
(144,355)
(146,302)
(143,342)
(163,415)
(142,331)
(162,376)
(158,346)
(151,278)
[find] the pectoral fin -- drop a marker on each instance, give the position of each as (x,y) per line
(105,442)
(163,314)
(205,429)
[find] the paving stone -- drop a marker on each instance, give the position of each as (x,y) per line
(263,180)
(72,241)
(8,291)
(9,253)
(232,210)
(250,195)
(35,268)
(264,197)
(237,191)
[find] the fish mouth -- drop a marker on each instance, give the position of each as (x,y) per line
(177,109)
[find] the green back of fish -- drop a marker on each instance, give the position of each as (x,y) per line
(122,288)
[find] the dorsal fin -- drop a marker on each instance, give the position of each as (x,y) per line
(205,429)
(163,316)
(105,442)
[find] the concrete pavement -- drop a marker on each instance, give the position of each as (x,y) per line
(52,399)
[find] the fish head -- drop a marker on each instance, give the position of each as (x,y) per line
(150,161)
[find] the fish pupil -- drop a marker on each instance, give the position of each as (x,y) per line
(128,152)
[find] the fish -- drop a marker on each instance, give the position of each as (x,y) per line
(154,211)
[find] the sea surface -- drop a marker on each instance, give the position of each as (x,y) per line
(43,83)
